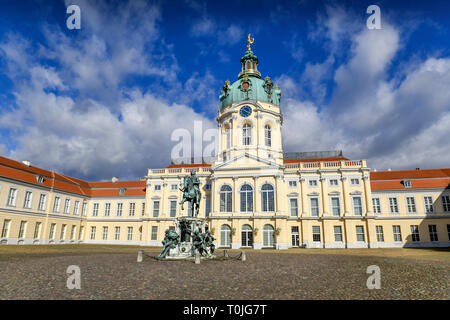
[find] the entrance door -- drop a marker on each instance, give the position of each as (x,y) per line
(247,236)
(295,237)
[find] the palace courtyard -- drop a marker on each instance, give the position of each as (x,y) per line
(112,272)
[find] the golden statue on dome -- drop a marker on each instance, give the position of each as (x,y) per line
(250,42)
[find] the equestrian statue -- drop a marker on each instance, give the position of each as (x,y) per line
(191,193)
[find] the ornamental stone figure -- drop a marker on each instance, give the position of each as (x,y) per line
(191,193)
(170,241)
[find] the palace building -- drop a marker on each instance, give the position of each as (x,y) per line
(254,195)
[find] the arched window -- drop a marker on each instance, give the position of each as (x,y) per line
(225,235)
(246,198)
(225,199)
(247,236)
(268,236)
(268,135)
(228,135)
(267,198)
(246,135)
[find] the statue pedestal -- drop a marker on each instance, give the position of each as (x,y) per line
(186,227)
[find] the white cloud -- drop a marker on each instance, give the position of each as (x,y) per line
(205,26)
(399,122)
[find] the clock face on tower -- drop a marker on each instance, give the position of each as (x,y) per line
(245,111)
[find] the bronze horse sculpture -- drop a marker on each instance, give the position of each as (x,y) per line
(191,193)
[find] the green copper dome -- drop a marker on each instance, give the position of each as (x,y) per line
(250,86)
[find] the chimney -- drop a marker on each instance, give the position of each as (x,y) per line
(114,179)
(27,162)
(417,168)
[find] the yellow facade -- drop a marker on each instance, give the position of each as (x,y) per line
(251,197)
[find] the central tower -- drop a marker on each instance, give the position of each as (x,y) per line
(249,116)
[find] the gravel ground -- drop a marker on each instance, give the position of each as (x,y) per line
(265,275)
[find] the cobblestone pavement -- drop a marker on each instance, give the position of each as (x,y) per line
(265,275)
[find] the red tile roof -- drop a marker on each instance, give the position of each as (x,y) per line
(420,179)
(314,160)
(19,171)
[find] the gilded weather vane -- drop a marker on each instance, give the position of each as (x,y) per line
(250,41)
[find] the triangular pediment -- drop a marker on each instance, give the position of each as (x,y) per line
(246,161)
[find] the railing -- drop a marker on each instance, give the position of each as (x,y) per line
(289,166)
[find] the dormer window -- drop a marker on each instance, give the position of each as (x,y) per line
(40,179)
(407,183)
(122,191)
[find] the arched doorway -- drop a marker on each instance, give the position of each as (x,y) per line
(268,236)
(247,236)
(225,236)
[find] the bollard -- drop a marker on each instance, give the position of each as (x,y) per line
(197,258)
(243,256)
(225,253)
(139,257)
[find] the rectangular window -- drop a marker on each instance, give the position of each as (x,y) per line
(293,206)
(93,230)
(12,197)
(397,233)
(132,209)
(28,199)
(314,207)
(157,187)
(23,225)
(333,182)
(117,233)
(415,233)
(37,230)
(119,209)
(446,203)
(84,210)
(143,209)
(5,230)
(56,204)
(72,233)
(360,234)
(76,207)
(95,210)
(154,235)
(357,206)
(433,232)
(376,205)
(337,234)
(316,233)
(155,208)
(411,204)
(67,206)
(42,202)
(393,205)
(292,184)
(130,234)
(80,234)
(354,182)
(105,233)
(207,206)
(335,206)
(107,211)
(380,235)
(313,183)
(63,231)
(173,187)
(428,202)
(52,231)
(448,231)
(173,208)
(208,186)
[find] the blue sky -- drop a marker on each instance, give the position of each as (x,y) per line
(104,100)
